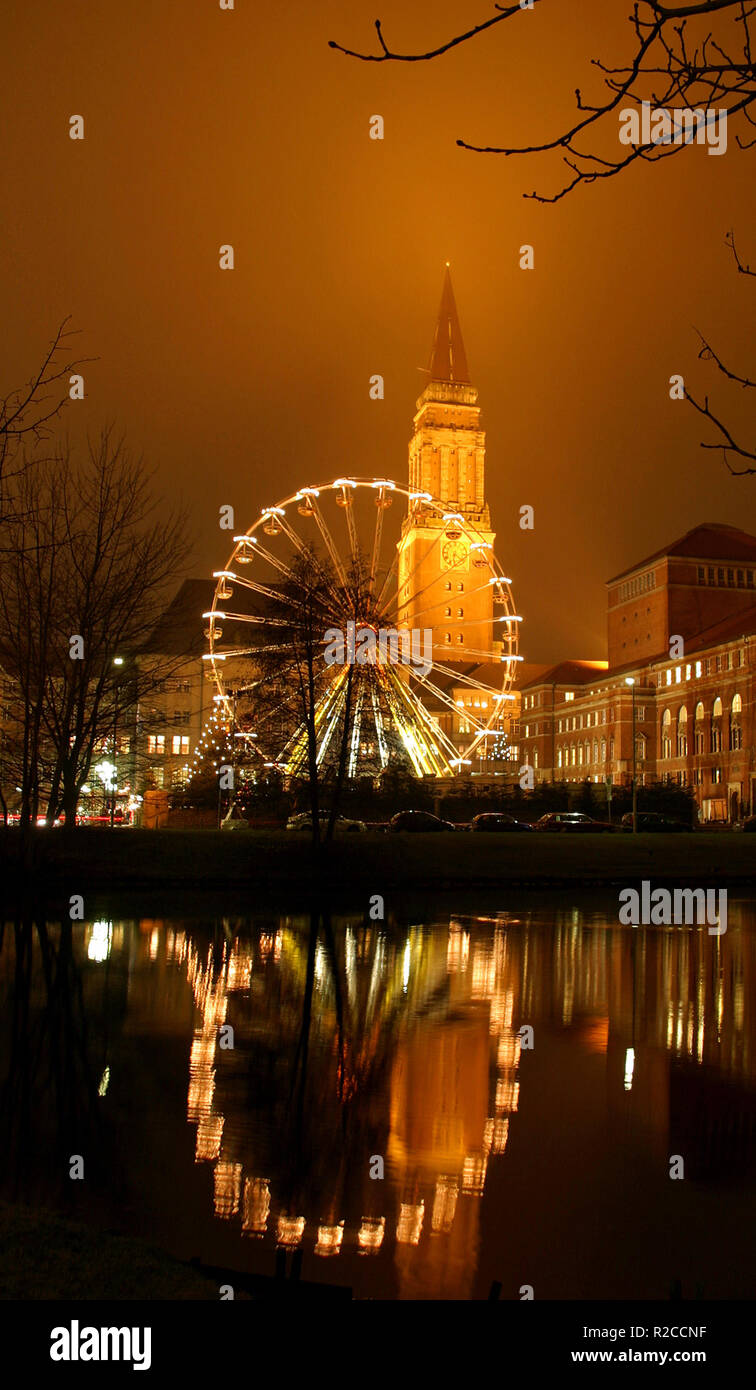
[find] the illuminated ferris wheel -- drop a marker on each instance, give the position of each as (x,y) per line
(318,584)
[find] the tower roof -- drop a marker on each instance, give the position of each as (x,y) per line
(448,362)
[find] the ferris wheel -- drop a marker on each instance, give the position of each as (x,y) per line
(318,579)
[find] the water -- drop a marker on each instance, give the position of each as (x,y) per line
(400,1048)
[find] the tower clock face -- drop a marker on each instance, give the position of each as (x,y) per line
(453,553)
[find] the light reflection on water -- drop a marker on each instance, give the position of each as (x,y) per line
(360,1049)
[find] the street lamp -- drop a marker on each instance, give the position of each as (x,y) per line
(630,680)
(117,661)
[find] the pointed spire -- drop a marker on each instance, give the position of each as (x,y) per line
(448,361)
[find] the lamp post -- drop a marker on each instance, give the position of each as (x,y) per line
(630,680)
(117,661)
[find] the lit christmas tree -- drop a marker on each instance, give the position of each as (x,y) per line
(214,750)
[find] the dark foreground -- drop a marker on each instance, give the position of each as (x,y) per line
(269,861)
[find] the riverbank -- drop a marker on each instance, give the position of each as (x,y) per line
(276,863)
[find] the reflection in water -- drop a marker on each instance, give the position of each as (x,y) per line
(375,1098)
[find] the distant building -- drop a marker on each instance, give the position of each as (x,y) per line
(170,719)
(682,645)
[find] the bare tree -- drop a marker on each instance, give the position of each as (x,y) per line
(29,413)
(292,677)
(695,55)
(91,553)
(729,445)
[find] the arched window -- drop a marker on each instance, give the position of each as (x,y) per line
(580,754)
(698,730)
(573,755)
(559,757)
(682,732)
(736,732)
(716,726)
(611,749)
(603,750)
(640,748)
(595,750)
(666,738)
(535,758)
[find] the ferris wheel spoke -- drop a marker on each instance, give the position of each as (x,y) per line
(450,704)
(380,731)
(409,577)
(274,560)
(225,616)
(328,541)
(423,738)
(267,592)
(390,574)
(354,742)
(326,713)
(468,679)
(444,602)
(377,536)
(311,557)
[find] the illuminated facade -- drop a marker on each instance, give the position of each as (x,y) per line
(681,633)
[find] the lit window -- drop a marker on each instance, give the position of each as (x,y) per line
(698,668)
(669,677)
(569,694)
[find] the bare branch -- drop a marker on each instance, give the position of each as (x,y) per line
(680,63)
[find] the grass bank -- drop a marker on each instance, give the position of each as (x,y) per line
(276,863)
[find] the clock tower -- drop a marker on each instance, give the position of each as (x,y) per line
(444,579)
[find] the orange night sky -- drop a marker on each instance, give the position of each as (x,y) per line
(205,127)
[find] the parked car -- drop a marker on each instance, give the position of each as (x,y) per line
(422,821)
(497,820)
(303,821)
(571,822)
(653,820)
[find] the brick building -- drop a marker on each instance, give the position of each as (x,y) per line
(682,649)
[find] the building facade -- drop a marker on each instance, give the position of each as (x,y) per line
(675,701)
